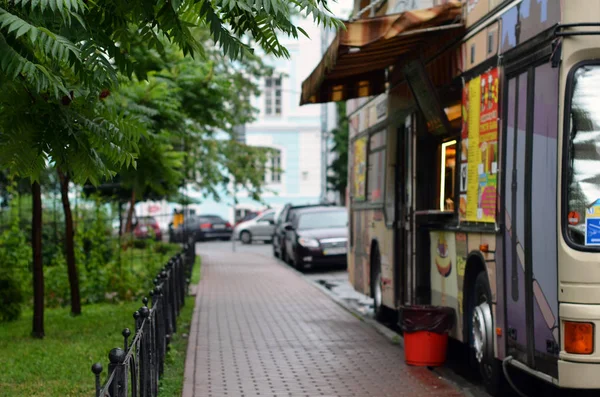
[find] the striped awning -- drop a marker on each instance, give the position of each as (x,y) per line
(355,62)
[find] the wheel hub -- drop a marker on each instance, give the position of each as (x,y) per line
(377,296)
(482,332)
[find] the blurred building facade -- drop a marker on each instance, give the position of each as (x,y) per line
(299,136)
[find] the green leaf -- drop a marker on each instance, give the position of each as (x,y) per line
(22,30)
(175,4)
(303,32)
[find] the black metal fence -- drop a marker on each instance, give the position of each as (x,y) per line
(134,370)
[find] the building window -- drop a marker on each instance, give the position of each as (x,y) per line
(273,96)
(275,161)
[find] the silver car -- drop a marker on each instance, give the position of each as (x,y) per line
(258,229)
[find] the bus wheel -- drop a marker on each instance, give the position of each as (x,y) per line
(482,331)
(382,313)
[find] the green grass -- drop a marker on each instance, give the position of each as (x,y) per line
(59,365)
(171,384)
(196,271)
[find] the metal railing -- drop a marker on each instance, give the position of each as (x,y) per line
(134,370)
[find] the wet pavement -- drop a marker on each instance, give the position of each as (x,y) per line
(334,282)
(261,329)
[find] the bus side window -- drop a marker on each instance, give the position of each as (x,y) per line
(447,175)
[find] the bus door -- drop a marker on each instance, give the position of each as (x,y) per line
(404,235)
(530,216)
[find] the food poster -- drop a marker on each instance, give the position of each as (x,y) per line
(444,273)
(592,224)
(360,168)
(480,126)
(464,145)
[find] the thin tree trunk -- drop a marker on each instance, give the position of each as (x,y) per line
(70,245)
(128,228)
(120,218)
(342,197)
(38,269)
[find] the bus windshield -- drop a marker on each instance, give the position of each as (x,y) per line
(583,178)
(323,220)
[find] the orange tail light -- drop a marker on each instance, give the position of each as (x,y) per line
(579,337)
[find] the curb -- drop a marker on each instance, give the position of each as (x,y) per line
(391,335)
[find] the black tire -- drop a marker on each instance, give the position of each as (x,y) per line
(275,253)
(246,237)
(382,313)
(297,263)
(283,253)
(489,367)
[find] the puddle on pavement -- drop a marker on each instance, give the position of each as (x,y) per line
(326,284)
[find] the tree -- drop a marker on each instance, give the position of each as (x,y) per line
(338,180)
(59,59)
(191,103)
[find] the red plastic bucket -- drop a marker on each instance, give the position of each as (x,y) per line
(425,349)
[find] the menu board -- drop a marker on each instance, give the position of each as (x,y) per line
(359,169)
(479,149)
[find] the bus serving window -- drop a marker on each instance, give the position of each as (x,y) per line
(583,151)
(447,174)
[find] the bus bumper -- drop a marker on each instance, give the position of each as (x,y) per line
(574,370)
(578,375)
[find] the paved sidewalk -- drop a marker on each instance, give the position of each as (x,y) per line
(259,329)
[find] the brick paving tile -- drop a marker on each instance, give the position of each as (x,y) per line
(261,330)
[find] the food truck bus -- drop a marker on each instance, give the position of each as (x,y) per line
(474,173)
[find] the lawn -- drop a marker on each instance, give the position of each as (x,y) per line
(59,365)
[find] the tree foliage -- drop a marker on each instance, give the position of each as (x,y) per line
(61,61)
(58,56)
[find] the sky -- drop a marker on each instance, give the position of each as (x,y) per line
(341,8)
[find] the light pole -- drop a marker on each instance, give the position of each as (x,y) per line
(234,213)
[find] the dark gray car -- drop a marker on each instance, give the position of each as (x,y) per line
(202,228)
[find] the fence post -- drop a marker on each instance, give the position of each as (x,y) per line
(126,333)
(172,296)
(118,386)
(97,370)
(182,279)
(145,377)
(158,307)
(166,292)
(154,329)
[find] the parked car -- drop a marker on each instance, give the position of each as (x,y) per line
(258,229)
(279,232)
(202,228)
(143,225)
(317,236)
(249,216)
